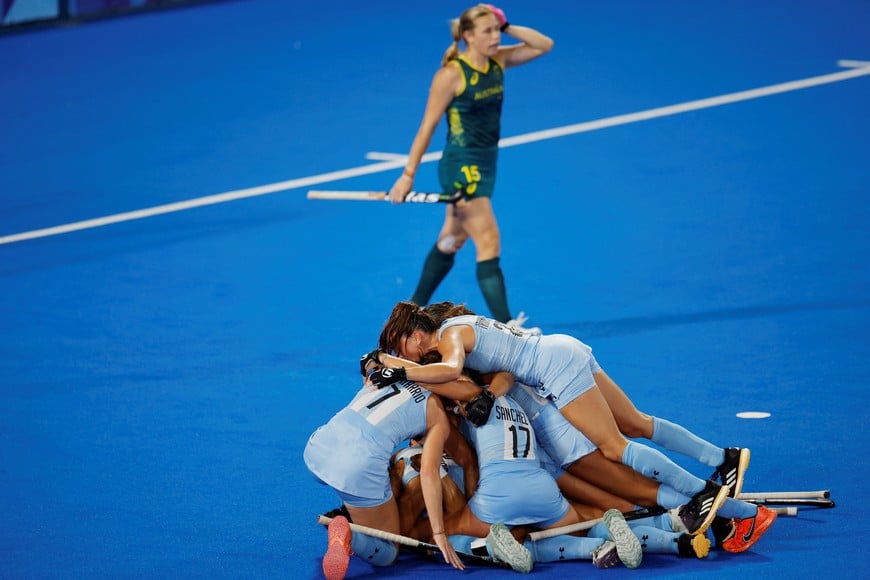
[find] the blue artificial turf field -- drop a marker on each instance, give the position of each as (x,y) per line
(161,376)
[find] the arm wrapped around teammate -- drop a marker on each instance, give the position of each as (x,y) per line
(373,357)
(386,377)
(478,409)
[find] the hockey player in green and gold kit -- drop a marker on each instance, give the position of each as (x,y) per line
(468,89)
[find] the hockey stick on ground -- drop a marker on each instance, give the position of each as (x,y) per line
(580,526)
(786,511)
(415,545)
(821,503)
(411,197)
(629,516)
(821,494)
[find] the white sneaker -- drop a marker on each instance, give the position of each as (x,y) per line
(506,549)
(518,324)
(627,545)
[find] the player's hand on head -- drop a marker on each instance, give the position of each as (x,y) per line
(499,14)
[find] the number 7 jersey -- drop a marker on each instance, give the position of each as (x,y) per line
(351,453)
(399,411)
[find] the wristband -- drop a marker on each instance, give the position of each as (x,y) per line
(504,26)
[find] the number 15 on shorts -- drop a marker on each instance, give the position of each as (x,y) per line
(472,176)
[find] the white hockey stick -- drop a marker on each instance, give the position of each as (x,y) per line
(580,526)
(790,511)
(412,197)
(412,543)
(821,494)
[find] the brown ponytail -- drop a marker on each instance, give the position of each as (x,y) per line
(405,318)
(441,311)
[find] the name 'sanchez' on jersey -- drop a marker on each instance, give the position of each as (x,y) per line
(508,414)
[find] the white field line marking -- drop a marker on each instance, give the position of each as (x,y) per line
(686,107)
(381,156)
(853,63)
(395,164)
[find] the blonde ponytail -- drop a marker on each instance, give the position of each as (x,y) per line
(452,52)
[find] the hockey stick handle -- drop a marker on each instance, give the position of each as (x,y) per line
(348,195)
(410,542)
(376,533)
(821,494)
(580,526)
